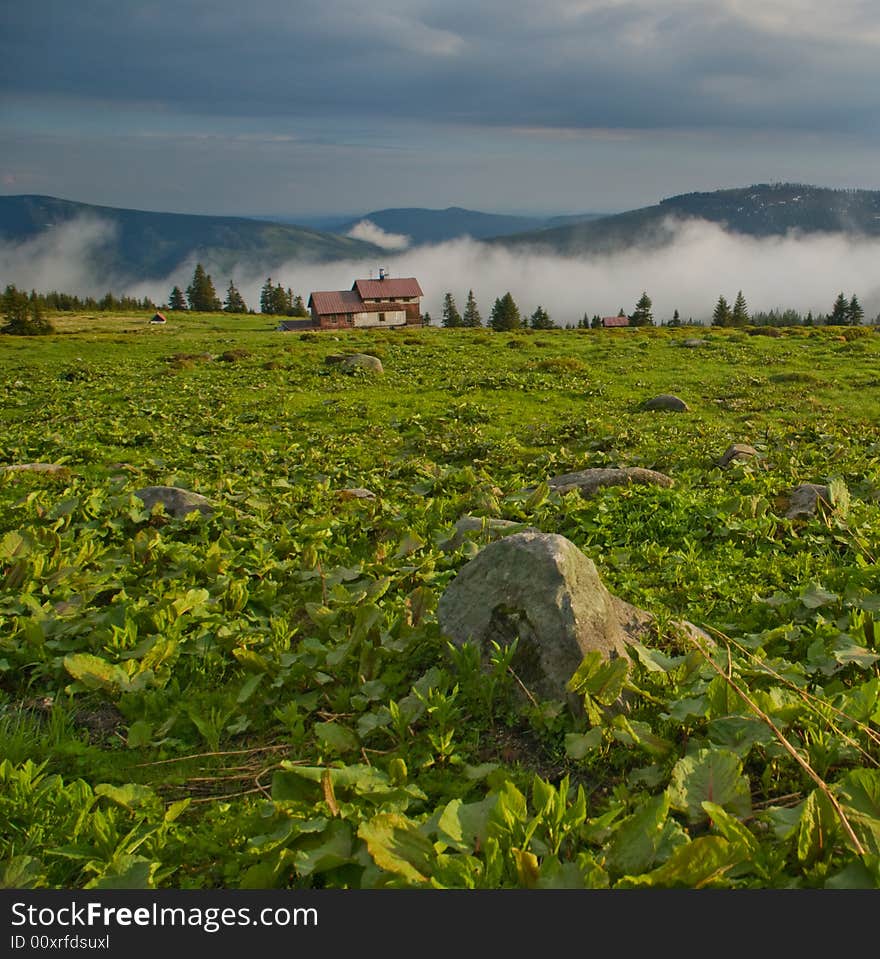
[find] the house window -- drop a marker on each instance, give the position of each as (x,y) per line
(381,317)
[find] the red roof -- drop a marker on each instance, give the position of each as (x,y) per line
(615,321)
(336,301)
(388,287)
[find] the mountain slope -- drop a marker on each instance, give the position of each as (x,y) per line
(759,210)
(142,245)
(424,226)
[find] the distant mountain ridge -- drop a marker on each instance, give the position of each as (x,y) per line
(144,245)
(423,225)
(760,210)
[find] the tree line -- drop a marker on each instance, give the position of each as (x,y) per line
(201,297)
(506,315)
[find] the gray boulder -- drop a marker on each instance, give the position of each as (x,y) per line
(803,500)
(542,590)
(737,451)
(175,501)
(666,401)
(693,342)
(482,529)
(349,362)
(588,481)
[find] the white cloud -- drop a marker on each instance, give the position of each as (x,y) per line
(372,233)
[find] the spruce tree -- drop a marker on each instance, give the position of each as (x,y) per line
(471,316)
(740,315)
(176,301)
(540,320)
(839,312)
(24,314)
(451,317)
(201,295)
(642,315)
(267,296)
(856,313)
(234,300)
(722,314)
(505,314)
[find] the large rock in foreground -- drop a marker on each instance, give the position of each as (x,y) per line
(541,589)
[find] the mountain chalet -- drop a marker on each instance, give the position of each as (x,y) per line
(385,302)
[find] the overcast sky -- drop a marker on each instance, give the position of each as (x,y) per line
(345,106)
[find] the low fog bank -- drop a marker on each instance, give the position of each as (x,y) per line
(802,272)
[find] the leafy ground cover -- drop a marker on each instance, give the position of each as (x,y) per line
(262,696)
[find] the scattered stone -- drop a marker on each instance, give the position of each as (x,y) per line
(666,401)
(349,362)
(588,481)
(356,492)
(803,501)
(540,589)
(737,451)
(175,501)
(51,468)
(482,529)
(694,341)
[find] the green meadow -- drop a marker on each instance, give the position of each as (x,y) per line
(262,696)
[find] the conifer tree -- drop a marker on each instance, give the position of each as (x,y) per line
(540,320)
(201,295)
(24,314)
(505,314)
(176,301)
(740,314)
(234,300)
(856,313)
(451,317)
(642,315)
(471,316)
(722,314)
(839,312)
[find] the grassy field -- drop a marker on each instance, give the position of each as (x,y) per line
(262,696)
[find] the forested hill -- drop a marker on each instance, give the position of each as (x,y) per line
(143,245)
(759,210)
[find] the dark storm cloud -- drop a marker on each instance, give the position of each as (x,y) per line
(611,64)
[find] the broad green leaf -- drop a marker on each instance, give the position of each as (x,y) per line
(465,825)
(697,865)
(131,796)
(578,745)
(127,872)
(398,847)
(15,545)
(712,775)
(632,732)
(815,596)
(634,842)
(732,829)
(336,737)
(94,672)
(859,796)
(329,850)
(601,679)
(818,828)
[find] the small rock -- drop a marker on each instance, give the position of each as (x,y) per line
(588,481)
(175,501)
(356,492)
(51,468)
(803,500)
(737,451)
(482,529)
(349,362)
(666,401)
(693,342)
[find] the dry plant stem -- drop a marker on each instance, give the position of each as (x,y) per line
(810,699)
(226,752)
(523,687)
(756,709)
